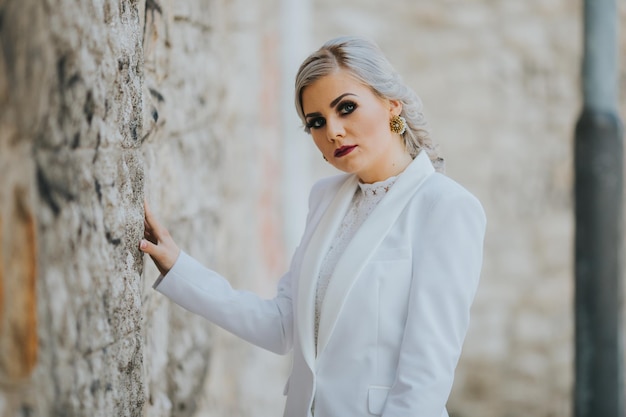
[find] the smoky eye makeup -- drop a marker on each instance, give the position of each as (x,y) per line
(346,107)
(315,123)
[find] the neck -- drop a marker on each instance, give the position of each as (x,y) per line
(394,167)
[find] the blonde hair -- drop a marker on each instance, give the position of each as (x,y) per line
(364,60)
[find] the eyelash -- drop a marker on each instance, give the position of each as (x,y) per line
(315,123)
(345,108)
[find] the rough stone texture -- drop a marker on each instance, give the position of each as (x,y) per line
(202,173)
(71,116)
(103,103)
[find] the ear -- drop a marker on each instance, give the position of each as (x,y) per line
(395,107)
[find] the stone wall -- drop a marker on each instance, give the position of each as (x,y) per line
(103,104)
(72,182)
(208,75)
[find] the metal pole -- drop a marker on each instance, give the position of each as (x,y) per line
(599,185)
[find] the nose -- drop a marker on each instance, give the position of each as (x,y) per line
(334,129)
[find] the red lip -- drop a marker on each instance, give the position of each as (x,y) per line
(344,150)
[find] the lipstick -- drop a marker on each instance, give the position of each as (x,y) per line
(344,150)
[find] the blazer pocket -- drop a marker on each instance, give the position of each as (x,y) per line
(376,399)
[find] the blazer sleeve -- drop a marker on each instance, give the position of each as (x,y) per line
(445,279)
(265,323)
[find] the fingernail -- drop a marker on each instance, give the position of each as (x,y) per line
(142,244)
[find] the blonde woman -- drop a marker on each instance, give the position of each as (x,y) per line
(375,304)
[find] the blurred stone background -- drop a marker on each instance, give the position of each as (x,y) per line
(189,105)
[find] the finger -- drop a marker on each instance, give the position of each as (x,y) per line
(150,237)
(148,232)
(150,248)
(146,226)
(152,223)
(147,229)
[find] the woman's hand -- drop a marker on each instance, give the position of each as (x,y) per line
(158,243)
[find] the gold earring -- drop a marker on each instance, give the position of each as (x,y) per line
(397,124)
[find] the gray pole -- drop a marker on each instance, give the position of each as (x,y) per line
(599,184)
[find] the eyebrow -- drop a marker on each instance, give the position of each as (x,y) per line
(335,101)
(332,104)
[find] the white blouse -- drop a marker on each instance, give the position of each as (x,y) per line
(365,200)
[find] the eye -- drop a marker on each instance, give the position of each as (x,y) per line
(347,107)
(316,123)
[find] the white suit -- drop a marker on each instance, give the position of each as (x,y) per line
(395,312)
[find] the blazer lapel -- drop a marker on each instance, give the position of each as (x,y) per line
(365,242)
(316,250)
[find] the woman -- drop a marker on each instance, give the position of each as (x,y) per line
(375,305)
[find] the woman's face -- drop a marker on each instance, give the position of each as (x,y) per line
(350,126)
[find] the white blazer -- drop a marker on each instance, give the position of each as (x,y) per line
(395,312)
